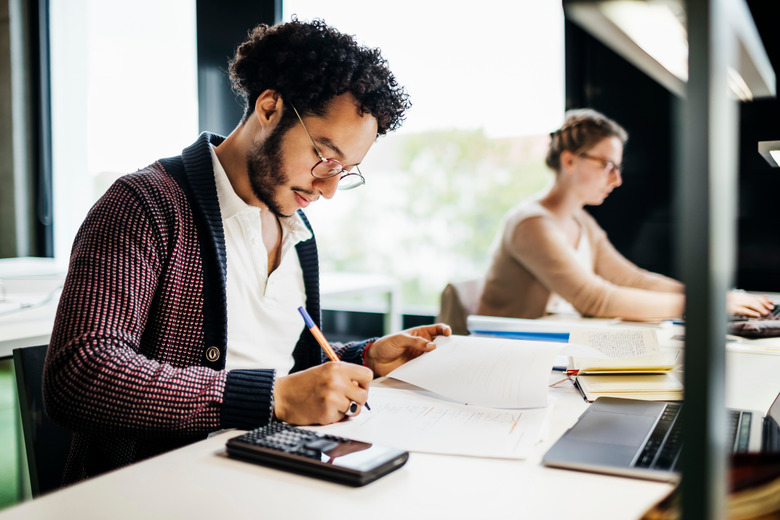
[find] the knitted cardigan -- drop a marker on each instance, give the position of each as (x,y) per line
(136,363)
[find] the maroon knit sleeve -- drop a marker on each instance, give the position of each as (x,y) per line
(128,336)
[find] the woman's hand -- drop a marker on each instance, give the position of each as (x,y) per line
(745,304)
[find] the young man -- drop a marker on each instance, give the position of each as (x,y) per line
(179,313)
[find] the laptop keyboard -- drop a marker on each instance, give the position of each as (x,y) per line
(662,449)
(739,430)
(774,314)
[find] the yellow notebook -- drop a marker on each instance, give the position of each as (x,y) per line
(652,387)
(651,363)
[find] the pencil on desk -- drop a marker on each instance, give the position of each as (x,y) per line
(317,333)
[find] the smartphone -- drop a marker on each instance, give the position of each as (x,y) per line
(329,457)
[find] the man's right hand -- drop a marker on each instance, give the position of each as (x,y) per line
(321,394)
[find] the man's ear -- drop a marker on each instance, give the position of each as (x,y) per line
(268,108)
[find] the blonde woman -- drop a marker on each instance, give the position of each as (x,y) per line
(552,256)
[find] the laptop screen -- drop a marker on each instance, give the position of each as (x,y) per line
(774,410)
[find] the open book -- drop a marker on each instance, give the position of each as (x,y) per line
(623,351)
(630,364)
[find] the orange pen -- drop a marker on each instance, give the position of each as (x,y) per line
(315,331)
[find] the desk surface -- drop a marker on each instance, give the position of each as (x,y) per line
(199,481)
(334,285)
(29,291)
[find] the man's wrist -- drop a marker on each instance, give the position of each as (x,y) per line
(247,398)
(365,353)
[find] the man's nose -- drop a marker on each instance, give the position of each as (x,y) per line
(327,187)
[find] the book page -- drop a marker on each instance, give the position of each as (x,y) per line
(626,350)
(618,343)
(499,373)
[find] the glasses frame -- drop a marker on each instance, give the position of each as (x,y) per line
(360,181)
(608,165)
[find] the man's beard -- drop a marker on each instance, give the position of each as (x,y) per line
(266,175)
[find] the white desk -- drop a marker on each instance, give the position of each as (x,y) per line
(336,285)
(199,481)
(29,292)
(26,328)
(33,280)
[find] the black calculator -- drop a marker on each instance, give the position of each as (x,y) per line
(337,459)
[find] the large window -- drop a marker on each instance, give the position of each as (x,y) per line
(124,93)
(486,86)
(486,82)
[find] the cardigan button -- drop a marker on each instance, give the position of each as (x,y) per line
(212,353)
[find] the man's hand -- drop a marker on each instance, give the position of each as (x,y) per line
(390,352)
(321,394)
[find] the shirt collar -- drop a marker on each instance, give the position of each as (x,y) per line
(230,204)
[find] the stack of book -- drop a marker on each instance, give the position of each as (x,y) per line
(617,359)
(633,366)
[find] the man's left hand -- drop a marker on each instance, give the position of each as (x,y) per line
(390,352)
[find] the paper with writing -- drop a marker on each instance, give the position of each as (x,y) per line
(416,421)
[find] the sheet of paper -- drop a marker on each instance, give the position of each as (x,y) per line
(416,421)
(499,373)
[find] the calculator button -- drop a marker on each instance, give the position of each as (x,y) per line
(320,445)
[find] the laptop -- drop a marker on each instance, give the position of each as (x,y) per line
(635,438)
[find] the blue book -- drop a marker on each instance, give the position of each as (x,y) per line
(561,337)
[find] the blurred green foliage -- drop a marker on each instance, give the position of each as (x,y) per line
(432,205)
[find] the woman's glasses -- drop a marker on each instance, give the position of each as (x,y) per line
(608,165)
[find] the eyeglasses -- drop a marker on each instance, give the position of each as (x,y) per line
(608,165)
(327,168)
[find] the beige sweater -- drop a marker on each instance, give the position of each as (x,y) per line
(532,259)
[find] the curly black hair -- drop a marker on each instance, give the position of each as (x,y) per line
(310,63)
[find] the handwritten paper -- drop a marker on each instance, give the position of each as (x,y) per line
(493,372)
(415,420)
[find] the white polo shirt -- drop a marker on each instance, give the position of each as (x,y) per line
(262,311)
